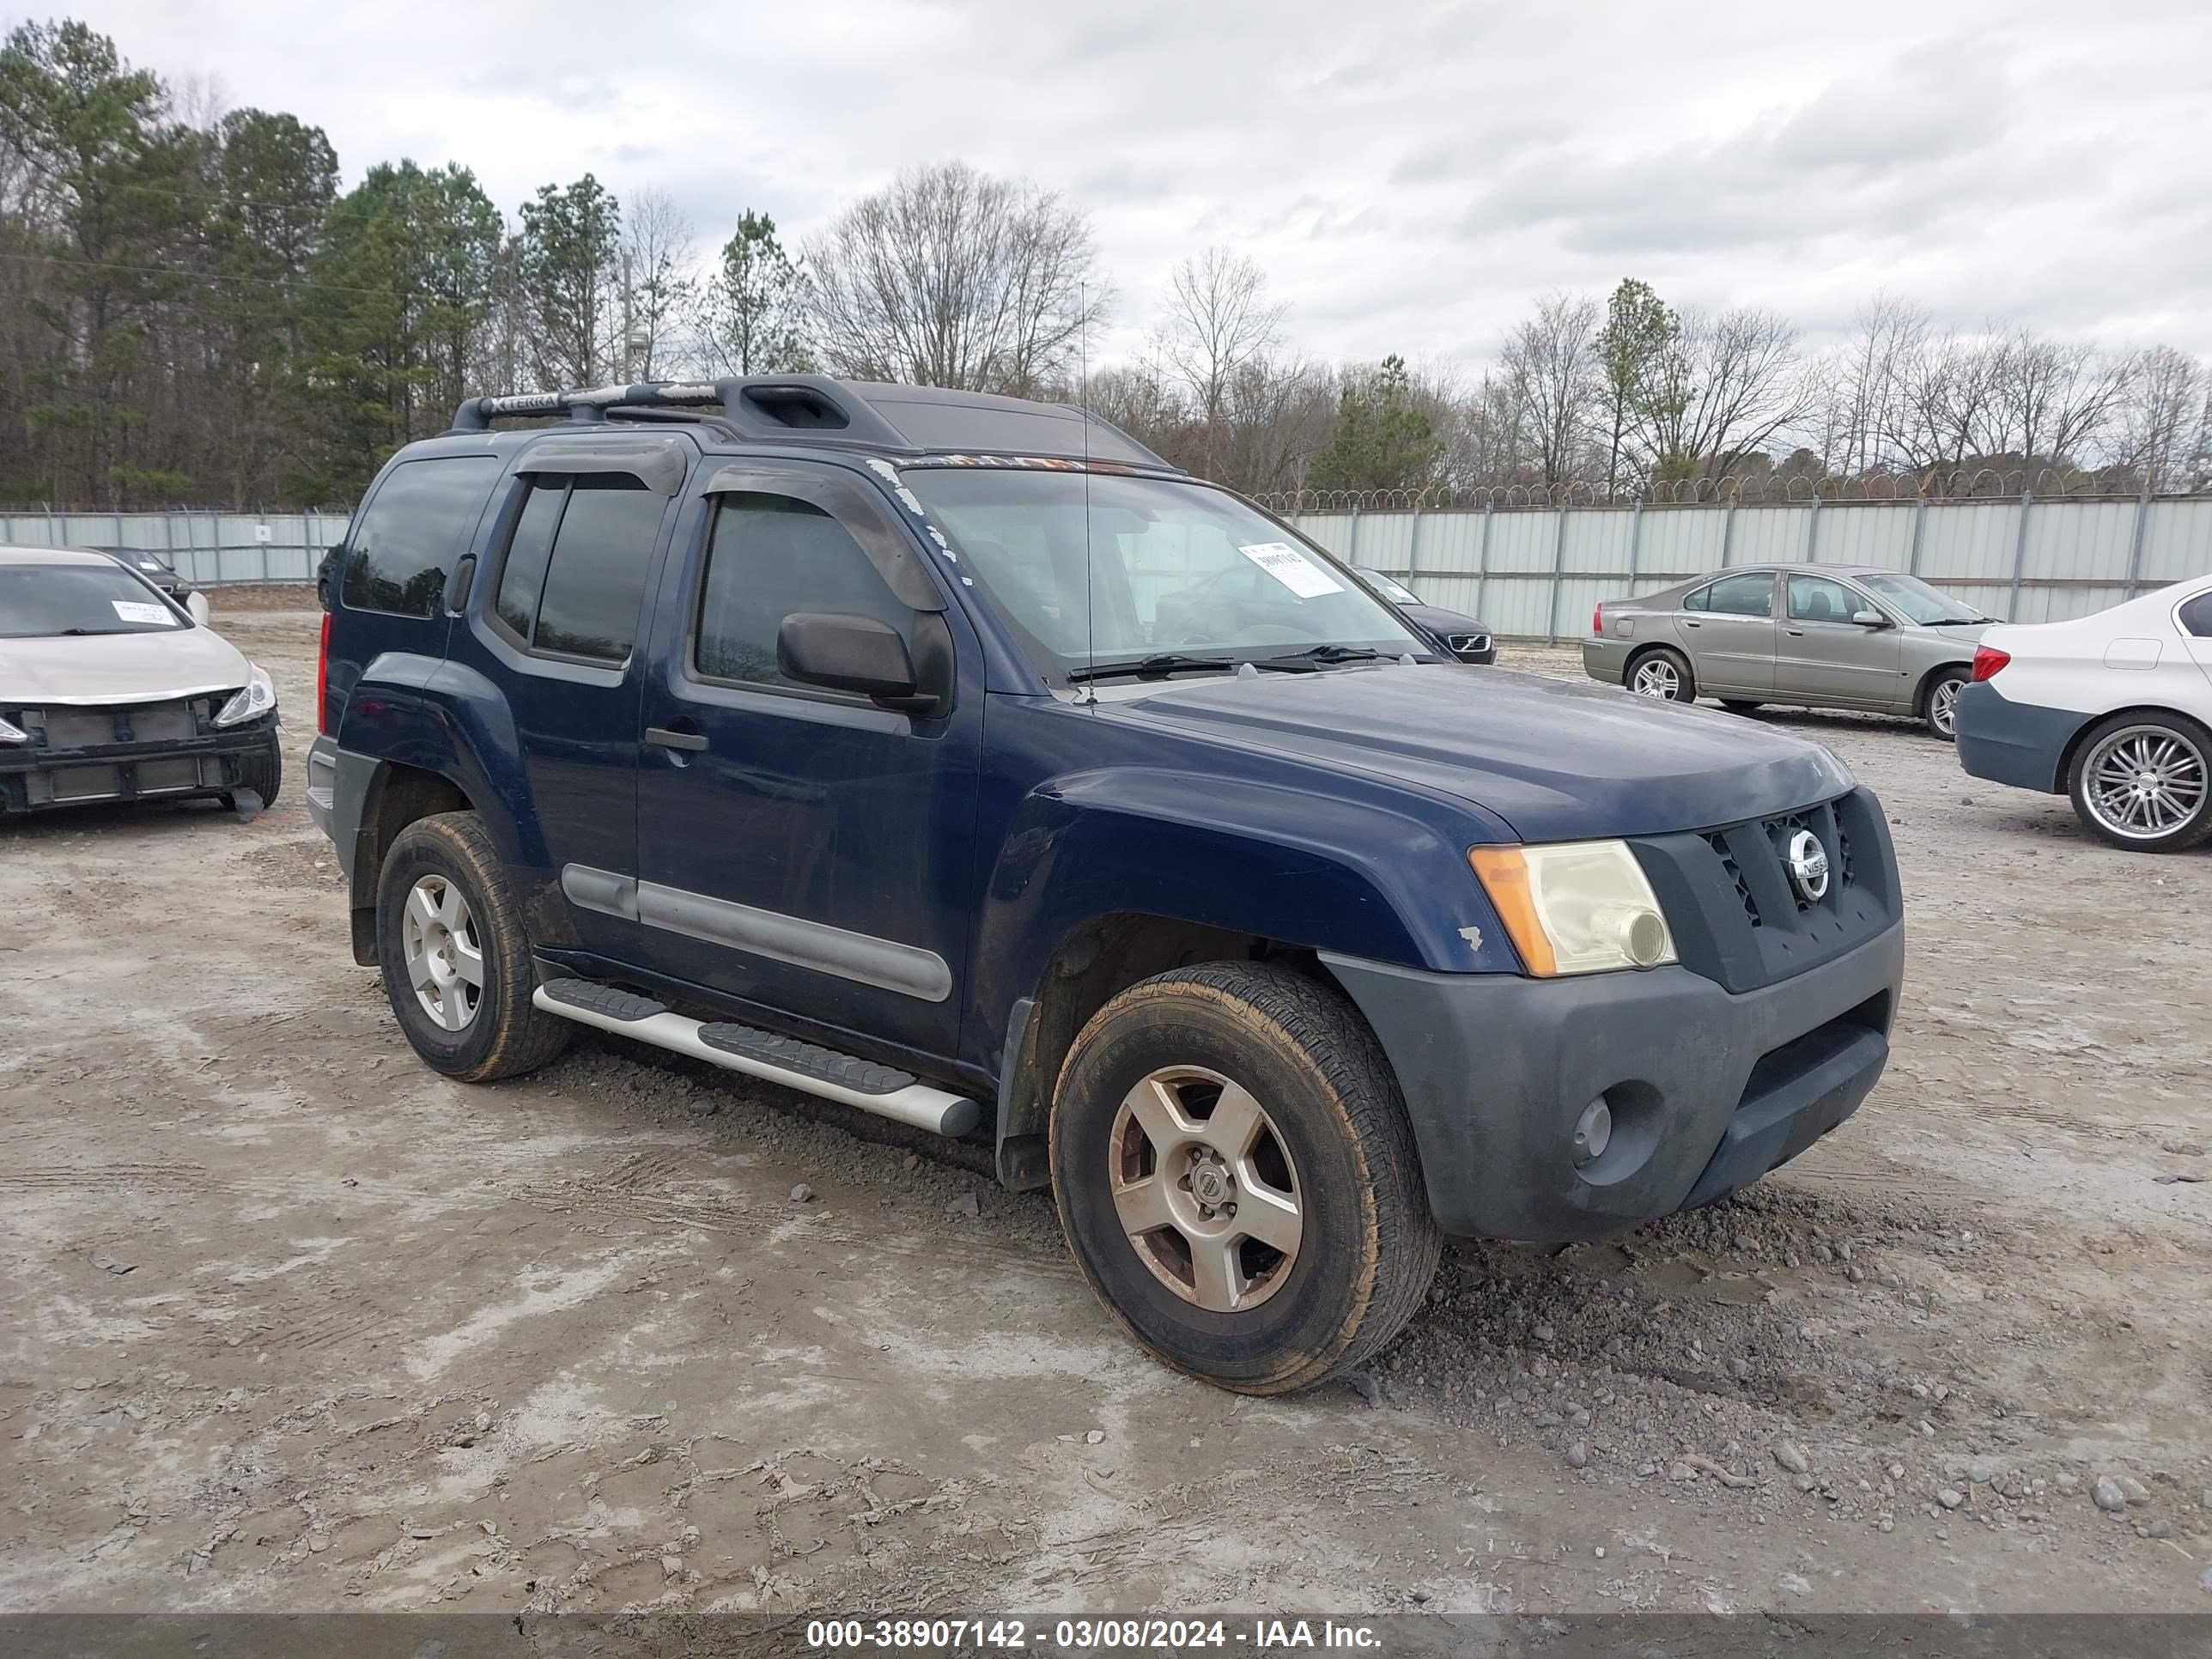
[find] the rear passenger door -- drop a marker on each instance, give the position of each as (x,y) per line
(572,561)
(800,849)
(1728,626)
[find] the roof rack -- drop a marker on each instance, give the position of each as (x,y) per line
(910,420)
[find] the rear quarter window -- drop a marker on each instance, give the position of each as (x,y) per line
(409,535)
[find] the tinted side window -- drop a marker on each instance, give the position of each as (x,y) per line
(772,555)
(406,539)
(1815,598)
(1749,595)
(529,550)
(574,578)
(2197,617)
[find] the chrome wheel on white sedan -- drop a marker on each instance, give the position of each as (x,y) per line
(2146,782)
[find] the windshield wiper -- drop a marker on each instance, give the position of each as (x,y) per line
(1155,667)
(1957,622)
(1320,657)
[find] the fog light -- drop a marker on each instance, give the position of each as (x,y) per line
(1593,1132)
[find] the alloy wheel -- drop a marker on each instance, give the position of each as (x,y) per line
(2142,782)
(1204,1190)
(445,960)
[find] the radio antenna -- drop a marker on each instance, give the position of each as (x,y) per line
(1083,396)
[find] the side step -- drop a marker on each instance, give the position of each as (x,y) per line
(811,1070)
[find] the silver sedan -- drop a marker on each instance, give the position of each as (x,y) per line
(1814,636)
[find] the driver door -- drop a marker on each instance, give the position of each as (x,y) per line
(800,849)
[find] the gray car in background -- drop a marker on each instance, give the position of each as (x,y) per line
(1813,635)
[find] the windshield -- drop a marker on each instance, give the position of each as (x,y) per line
(1917,602)
(42,601)
(1396,592)
(1172,567)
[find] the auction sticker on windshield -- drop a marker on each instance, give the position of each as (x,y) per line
(1292,568)
(132,611)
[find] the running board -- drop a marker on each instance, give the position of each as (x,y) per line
(804,1067)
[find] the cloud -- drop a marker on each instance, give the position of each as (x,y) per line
(1410,174)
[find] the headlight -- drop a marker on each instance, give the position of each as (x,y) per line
(11,733)
(258,698)
(1575,906)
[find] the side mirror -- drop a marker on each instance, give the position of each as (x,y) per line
(195,606)
(1870,619)
(850,653)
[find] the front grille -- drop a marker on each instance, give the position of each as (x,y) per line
(179,721)
(1734,870)
(1463,645)
(1737,916)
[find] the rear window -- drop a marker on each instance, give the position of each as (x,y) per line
(407,538)
(573,581)
(47,601)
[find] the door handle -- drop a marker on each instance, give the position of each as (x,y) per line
(694,741)
(1795,632)
(1686,622)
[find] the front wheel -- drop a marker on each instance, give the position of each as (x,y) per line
(2145,782)
(1663,674)
(456,963)
(1237,1177)
(262,770)
(1941,710)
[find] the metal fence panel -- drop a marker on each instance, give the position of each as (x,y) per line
(1528,571)
(2086,540)
(1523,539)
(1971,541)
(1679,542)
(1881,536)
(2177,544)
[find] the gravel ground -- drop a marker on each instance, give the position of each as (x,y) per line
(287,1323)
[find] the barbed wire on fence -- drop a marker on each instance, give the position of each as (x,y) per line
(1959,484)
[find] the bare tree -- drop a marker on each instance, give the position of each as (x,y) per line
(1724,388)
(658,249)
(2164,425)
(2053,401)
(1551,364)
(1218,320)
(1864,386)
(950,278)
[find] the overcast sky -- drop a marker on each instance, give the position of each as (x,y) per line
(1410,175)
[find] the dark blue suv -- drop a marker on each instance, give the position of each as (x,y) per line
(953,757)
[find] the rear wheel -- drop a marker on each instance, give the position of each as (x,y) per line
(456,963)
(1940,710)
(1664,673)
(1737,707)
(2145,782)
(1237,1177)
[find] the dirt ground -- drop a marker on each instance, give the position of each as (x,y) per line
(287,1323)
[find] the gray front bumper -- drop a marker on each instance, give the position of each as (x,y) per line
(1708,1090)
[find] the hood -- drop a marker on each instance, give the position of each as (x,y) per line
(1437,620)
(1558,760)
(101,668)
(1965,634)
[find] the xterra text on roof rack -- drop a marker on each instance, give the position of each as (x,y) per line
(910,748)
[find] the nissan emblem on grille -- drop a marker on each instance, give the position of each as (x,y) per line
(1807,861)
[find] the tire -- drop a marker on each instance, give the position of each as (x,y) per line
(1739,707)
(1662,673)
(2127,747)
(263,771)
(1939,705)
(323,592)
(1331,1137)
(494,1031)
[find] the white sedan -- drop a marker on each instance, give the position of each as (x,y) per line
(112,690)
(2114,710)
